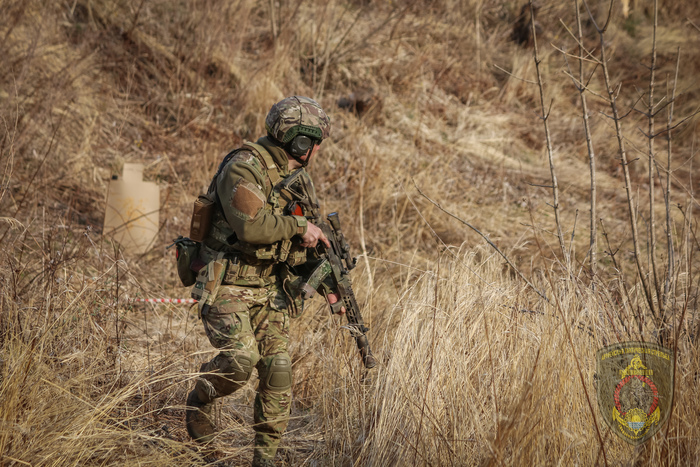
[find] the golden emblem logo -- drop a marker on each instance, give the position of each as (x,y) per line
(635,388)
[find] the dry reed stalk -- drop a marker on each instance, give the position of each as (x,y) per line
(558,303)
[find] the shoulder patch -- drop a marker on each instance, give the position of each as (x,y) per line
(247,198)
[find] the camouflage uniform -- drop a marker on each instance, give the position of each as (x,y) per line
(249,318)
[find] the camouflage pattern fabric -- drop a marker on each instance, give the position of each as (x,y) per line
(248,320)
(293,112)
(252,324)
(240,187)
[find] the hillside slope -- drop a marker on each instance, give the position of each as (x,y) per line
(445,119)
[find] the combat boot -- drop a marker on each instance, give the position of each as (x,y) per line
(198,418)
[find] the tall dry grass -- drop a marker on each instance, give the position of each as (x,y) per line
(477,375)
(475,367)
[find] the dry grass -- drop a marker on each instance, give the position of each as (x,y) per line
(475,367)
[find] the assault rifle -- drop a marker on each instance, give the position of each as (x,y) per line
(335,261)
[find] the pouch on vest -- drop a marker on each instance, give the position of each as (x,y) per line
(209,280)
(187,257)
(201,216)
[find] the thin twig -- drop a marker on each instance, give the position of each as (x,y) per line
(510,263)
(593,242)
(621,278)
(586,87)
(650,107)
(577,57)
(573,233)
(693,24)
(512,75)
(454,255)
(667,198)
(678,324)
(432,357)
(681,122)
(494,394)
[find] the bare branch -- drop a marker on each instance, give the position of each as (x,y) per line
(493,245)
(652,215)
(625,169)
(573,234)
(668,283)
(586,88)
(632,109)
(622,280)
(550,150)
(607,21)
(590,15)
(569,73)
(559,307)
(685,119)
(593,241)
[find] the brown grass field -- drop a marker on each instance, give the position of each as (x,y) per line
(476,367)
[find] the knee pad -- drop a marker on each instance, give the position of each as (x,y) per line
(276,373)
(237,367)
(232,370)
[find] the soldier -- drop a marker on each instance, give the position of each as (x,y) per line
(248,320)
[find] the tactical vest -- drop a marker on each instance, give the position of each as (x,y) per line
(222,238)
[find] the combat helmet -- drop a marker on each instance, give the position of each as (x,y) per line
(296,123)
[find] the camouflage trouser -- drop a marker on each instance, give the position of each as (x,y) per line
(250,326)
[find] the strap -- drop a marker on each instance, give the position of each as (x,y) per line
(272,170)
(264,156)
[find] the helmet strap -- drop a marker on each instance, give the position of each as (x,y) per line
(303,163)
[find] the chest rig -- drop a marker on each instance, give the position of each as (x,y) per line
(222,238)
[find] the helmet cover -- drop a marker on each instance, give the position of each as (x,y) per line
(297,115)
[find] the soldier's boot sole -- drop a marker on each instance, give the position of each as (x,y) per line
(198,419)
